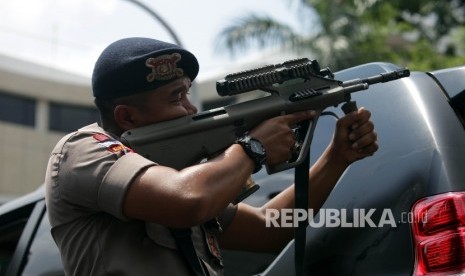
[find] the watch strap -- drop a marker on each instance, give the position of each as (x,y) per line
(259,158)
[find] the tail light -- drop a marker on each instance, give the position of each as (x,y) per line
(438,226)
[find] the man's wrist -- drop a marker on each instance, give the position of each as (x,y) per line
(254,150)
(335,157)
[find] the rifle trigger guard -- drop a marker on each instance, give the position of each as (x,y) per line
(304,149)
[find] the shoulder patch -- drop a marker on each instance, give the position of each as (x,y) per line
(101,137)
(111,144)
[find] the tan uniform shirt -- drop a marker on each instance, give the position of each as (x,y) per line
(88,174)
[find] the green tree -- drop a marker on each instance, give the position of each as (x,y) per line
(420,34)
(329,33)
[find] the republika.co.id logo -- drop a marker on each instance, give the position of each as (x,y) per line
(346,218)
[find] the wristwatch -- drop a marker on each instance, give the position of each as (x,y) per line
(254,149)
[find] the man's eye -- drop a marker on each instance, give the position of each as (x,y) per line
(176,98)
(184,94)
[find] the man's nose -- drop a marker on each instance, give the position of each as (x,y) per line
(191,109)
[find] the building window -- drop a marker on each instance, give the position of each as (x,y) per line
(17,109)
(67,118)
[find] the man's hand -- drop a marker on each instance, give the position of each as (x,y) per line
(277,136)
(354,137)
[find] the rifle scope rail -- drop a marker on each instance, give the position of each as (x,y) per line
(253,79)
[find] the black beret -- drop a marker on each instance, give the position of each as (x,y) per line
(134,65)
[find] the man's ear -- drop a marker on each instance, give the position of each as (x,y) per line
(125,117)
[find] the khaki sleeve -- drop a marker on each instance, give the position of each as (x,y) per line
(117,180)
(89,173)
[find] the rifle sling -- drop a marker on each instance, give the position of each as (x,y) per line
(186,246)
(301,179)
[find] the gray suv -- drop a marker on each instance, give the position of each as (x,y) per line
(413,190)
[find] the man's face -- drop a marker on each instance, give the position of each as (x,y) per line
(167,103)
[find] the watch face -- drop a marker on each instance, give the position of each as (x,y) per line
(256,146)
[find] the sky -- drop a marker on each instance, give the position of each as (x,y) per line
(70,34)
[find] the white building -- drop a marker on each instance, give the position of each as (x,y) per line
(38,105)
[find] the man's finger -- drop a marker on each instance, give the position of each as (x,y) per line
(353,119)
(296,117)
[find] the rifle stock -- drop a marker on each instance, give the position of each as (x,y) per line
(293,86)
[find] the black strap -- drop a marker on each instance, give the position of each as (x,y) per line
(301,202)
(301,179)
(186,246)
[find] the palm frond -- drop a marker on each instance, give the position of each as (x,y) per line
(253,31)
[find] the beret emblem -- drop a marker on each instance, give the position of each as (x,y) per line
(164,67)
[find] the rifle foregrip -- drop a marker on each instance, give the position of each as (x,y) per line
(349,107)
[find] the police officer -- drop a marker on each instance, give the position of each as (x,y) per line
(114,212)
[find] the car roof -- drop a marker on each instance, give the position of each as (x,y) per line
(451,79)
(27,199)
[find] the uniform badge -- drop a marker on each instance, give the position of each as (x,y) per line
(111,144)
(210,229)
(213,246)
(164,67)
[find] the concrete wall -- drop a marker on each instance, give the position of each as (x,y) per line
(24,150)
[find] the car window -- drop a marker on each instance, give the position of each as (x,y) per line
(44,257)
(12,225)
(458,103)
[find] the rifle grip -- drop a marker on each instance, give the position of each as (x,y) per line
(249,188)
(349,107)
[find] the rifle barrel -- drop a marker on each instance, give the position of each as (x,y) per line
(383,77)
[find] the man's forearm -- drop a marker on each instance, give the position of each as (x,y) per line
(251,222)
(323,176)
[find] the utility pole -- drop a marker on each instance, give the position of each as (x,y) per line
(195,98)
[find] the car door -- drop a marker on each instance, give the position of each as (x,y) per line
(26,245)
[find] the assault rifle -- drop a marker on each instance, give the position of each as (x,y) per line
(295,85)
